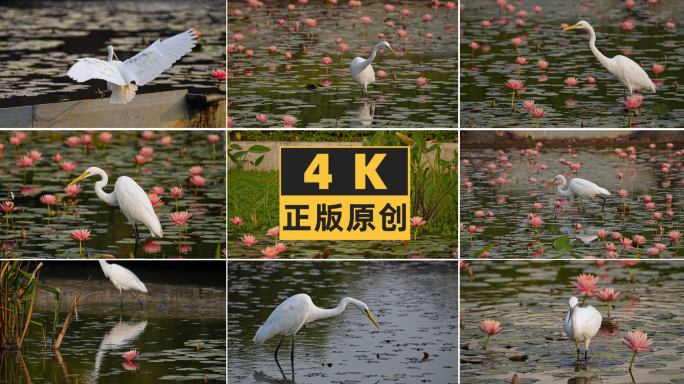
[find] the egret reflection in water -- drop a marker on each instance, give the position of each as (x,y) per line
(121,335)
(363,114)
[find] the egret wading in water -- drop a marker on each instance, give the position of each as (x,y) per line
(629,73)
(362,71)
(123,279)
(132,200)
(581,324)
(296,311)
(141,68)
(584,189)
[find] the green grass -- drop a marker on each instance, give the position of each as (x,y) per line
(445,226)
(330,136)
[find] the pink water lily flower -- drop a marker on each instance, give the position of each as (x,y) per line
(586,283)
(270,253)
(73,189)
(638,341)
(131,355)
(490,327)
(249,240)
(235,220)
(417,221)
(273,232)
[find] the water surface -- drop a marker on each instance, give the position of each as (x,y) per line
(568,54)
(414,303)
(509,234)
(530,299)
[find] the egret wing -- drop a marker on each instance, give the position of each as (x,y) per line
(91,68)
(290,315)
(587,188)
(152,61)
(591,321)
(632,72)
(124,279)
(135,204)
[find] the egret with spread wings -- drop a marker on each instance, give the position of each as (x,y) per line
(141,68)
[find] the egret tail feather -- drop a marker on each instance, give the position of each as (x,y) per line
(122,94)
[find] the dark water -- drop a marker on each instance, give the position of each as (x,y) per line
(530,299)
(509,234)
(568,55)
(41,40)
(185,308)
(413,302)
(48,235)
(276,86)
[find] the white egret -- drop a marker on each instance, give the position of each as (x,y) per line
(132,200)
(141,68)
(123,279)
(362,71)
(629,73)
(296,311)
(585,189)
(582,324)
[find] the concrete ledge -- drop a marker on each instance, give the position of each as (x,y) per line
(272,159)
(151,110)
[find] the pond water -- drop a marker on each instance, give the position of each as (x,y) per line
(276,86)
(530,299)
(186,307)
(413,302)
(509,233)
(47,234)
(42,39)
(427,246)
(568,55)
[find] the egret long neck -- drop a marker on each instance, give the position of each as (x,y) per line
(321,313)
(368,61)
(604,60)
(564,183)
(109,198)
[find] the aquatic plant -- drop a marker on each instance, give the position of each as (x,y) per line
(490,327)
(586,283)
(608,295)
(638,341)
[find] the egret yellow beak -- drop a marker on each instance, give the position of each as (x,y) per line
(551,183)
(391,50)
(83,176)
(573,27)
(372,319)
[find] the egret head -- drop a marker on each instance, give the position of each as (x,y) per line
(364,308)
(573,304)
(89,172)
(110,53)
(581,25)
(386,45)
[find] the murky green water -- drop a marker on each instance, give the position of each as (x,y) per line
(43,39)
(509,234)
(185,307)
(48,234)
(414,304)
(276,86)
(427,246)
(568,55)
(530,299)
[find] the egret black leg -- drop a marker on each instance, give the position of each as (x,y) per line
(137,238)
(276,351)
(604,203)
(585,355)
(121,298)
(292,356)
(136,296)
